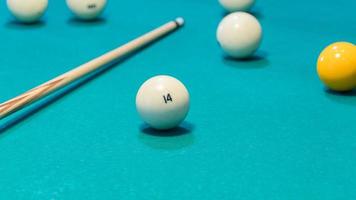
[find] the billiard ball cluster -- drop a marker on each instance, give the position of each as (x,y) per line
(30,11)
(163,101)
(239,33)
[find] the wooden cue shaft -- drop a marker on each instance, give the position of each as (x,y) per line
(46,88)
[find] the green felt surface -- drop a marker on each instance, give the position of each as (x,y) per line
(259,129)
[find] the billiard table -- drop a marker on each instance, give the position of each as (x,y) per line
(258,128)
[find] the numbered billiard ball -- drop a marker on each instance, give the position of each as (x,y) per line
(162,102)
(239,34)
(237,5)
(336,66)
(27,11)
(86,9)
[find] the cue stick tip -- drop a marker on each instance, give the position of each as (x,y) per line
(179,21)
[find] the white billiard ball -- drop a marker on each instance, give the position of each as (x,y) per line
(86,9)
(162,102)
(239,34)
(237,5)
(27,11)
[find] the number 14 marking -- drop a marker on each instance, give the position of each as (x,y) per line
(167,98)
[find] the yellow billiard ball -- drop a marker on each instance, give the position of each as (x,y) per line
(336,66)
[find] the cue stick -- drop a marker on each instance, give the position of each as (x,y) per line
(46,88)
